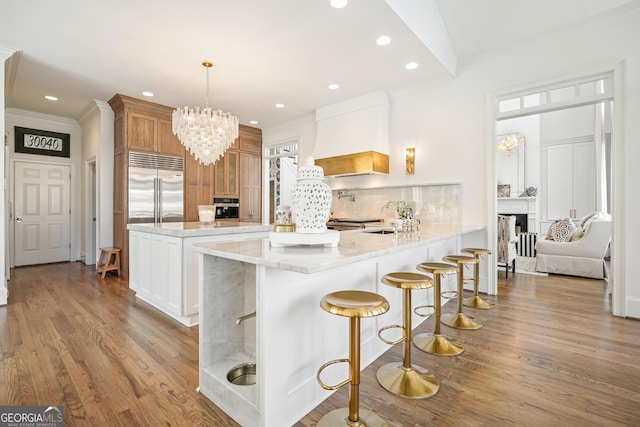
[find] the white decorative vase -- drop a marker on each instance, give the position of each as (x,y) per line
(311,200)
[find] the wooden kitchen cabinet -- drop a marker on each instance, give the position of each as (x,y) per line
(227,177)
(151,132)
(198,186)
(250,187)
(250,140)
(226,173)
(138,126)
(250,146)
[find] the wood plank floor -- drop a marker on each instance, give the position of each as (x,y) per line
(550,354)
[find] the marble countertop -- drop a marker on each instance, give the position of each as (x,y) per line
(196,229)
(354,246)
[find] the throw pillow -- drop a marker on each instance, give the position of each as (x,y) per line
(579,234)
(586,218)
(549,235)
(562,230)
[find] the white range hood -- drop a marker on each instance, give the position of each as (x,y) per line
(353,136)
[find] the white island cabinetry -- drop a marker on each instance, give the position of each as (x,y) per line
(291,336)
(163,268)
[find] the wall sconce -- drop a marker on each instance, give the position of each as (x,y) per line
(410,157)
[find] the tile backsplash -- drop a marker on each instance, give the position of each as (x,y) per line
(432,204)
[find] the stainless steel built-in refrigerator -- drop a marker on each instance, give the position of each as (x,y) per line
(155,188)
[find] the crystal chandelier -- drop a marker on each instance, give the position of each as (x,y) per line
(509,143)
(207,133)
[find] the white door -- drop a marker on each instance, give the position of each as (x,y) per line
(568,180)
(42,213)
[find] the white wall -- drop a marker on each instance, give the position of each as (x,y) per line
(97,144)
(570,123)
(448,122)
(5,54)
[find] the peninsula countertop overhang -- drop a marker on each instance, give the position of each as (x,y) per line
(354,246)
(196,229)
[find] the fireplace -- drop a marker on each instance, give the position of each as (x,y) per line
(523,208)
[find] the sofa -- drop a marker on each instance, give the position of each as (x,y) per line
(577,250)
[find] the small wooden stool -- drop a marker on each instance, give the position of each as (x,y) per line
(109,260)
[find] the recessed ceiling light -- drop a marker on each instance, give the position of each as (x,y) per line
(253,122)
(411,66)
(147,93)
(338,4)
(334,86)
(279,105)
(383,40)
(51,98)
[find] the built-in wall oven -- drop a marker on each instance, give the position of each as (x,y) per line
(226,207)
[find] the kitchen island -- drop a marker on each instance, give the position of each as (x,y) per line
(291,336)
(163,268)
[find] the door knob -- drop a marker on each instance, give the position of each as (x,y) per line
(18,219)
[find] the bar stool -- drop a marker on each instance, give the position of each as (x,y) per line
(436,343)
(460,320)
(353,304)
(109,260)
(405,380)
(475,301)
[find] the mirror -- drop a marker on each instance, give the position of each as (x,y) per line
(510,163)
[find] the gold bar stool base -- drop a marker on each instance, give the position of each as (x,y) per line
(413,383)
(460,321)
(438,345)
(477,302)
(340,418)
(355,305)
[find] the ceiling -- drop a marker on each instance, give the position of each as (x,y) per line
(266,52)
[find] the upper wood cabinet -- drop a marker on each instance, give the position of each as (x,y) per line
(226,173)
(250,140)
(250,187)
(147,126)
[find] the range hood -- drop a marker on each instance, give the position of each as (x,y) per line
(352,136)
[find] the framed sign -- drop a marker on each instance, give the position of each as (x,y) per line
(33,141)
(504,190)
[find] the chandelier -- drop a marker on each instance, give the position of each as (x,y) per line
(509,143)
(207,133)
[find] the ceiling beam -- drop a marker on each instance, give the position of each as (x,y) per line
(423,18)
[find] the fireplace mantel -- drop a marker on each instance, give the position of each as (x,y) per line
(520,205)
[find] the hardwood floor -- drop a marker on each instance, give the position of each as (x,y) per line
(550,353)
